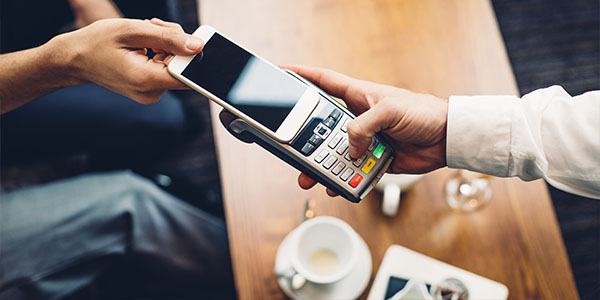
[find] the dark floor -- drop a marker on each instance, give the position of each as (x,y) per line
(558,42)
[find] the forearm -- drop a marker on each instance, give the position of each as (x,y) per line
(547,134)
(31,73)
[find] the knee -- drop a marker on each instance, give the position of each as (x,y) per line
(123,197)
(131,183)
(116,189)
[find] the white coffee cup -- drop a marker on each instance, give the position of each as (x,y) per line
(324,250)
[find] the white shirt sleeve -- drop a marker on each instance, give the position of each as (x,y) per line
(546,134)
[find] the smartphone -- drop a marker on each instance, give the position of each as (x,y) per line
(248,86)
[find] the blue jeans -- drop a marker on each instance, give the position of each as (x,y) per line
(89,119)
(60,239)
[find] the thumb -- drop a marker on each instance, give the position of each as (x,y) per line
(171,40)
(362,129)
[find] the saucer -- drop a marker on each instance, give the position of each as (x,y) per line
(349,287)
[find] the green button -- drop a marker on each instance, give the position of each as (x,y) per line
(379,151)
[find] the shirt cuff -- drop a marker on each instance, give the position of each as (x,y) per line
(478,136)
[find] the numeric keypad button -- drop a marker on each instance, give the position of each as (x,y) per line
(343,147)
(321,156)
(345,126)
(329,162)
(357,162)
(346,174)
(335,141)
(307,148)
(338,168)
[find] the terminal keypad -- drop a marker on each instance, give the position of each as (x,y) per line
(334,157)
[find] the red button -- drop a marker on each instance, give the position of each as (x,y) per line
(355,180)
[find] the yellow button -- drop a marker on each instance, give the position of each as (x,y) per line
(368,166)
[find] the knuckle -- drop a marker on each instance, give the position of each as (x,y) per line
(178,27)
(167,36)
(128,28)
(371,98)
(164,36)
(386,103)
(100,23)
(127,32)
(355,131)
(358,137)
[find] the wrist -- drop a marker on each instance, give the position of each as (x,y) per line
(62,61)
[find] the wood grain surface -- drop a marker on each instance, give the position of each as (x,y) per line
(439,47)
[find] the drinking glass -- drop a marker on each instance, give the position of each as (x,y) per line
(467,191)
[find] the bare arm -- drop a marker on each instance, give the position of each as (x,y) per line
(31,73)
(110,53)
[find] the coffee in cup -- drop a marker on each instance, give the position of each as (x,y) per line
(324,250)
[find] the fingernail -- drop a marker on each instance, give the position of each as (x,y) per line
(193,43)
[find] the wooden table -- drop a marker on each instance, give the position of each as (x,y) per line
(439,47)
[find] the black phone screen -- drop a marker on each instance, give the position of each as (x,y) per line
(251,85)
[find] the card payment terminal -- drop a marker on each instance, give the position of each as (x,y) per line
(320,149)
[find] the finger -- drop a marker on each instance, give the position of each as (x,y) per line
(168,59)
(159,57)
(156,21)
(356,93)
(334,83)
(157,77)
(364,127)
(160,22)
(157,50)
(331,193)
(140,34)
(306,182)
(141,51)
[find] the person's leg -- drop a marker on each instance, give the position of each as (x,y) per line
(57,239)
(91,119)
